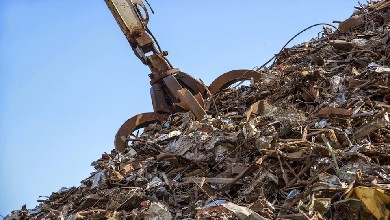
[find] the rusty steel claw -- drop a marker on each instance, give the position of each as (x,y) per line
(227,79)
(134,123)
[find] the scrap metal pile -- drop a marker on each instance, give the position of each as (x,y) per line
(309,141)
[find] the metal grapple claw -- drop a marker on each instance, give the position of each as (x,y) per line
(171,90)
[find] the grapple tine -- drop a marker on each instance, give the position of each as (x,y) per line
(185,98)
(194,106)
(194,85)
(134,123)
(159,99)
(227,79)
(200,99)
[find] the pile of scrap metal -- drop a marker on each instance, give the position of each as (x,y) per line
(309,141)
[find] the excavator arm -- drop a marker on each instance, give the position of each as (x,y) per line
(132,17)
(171,90)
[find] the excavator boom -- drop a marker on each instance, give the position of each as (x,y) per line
(128,15)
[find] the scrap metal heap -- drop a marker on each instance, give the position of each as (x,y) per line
(309,141)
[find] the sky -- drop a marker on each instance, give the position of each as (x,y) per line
(69,79)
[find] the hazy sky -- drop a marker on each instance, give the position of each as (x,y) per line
(68,78)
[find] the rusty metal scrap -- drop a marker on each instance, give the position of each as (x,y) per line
(310,140)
